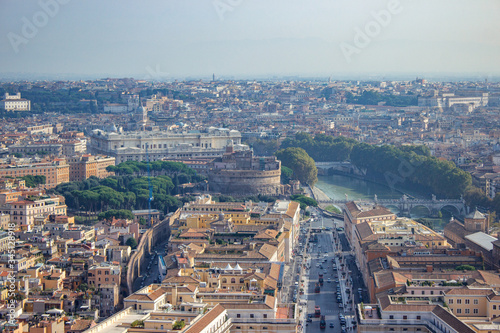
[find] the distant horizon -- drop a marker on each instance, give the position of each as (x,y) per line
(430,77)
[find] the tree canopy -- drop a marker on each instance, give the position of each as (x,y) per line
(286,175)
(304,201)
(371,97)
(411,166)
(263,147)
(33,181)
(118,193)
(116,213)
(131,242)
(303,166)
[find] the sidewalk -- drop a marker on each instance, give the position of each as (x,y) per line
(318,195)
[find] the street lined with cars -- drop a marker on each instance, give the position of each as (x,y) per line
(150,272)
(327,273)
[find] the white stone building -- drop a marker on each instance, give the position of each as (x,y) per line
(131,146)
(15,103)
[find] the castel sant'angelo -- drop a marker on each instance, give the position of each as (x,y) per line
(241,173)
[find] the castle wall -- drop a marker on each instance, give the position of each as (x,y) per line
(246,182)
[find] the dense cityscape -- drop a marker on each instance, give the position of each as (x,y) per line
(231,166)
(194,206)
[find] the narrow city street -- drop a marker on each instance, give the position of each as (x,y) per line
(149,270)
(333,260)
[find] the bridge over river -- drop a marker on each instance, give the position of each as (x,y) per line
(405,204)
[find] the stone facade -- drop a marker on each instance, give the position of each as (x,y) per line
(242,173)
(131,146)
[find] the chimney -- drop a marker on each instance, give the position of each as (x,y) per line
(429,268)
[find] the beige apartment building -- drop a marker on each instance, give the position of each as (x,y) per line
(104,274)
(155,297)
(24,212)
(55,172)
(357,212)
(85,166)
(390,315)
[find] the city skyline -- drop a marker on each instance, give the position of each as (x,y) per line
(60,39)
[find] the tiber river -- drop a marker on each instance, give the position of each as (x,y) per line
(337,186)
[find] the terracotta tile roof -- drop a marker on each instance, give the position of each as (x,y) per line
(203,230)
(376,246)
(192,235)
(270,283)
(181,280)
(451,320)
(257,276)
(353,208)
(449,259)
(250,255)
(467,291)
(82,324)
(292,208)
(203,322)
(364,230)
(268,250)
(456,228)
(357,213)
(270,301)
(378,211)
(266,234)
(152,296)
(490,278)
(189,288)
(274,272)
(384,279)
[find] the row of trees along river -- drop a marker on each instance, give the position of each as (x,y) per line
(383,164)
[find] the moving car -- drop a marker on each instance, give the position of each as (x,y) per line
(317,311)
(322,322)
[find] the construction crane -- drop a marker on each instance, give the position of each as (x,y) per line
(150,198)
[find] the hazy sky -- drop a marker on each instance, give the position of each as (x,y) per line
(245,38)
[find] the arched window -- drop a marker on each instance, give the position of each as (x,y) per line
(233,280)
(241,280)
(224,280)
